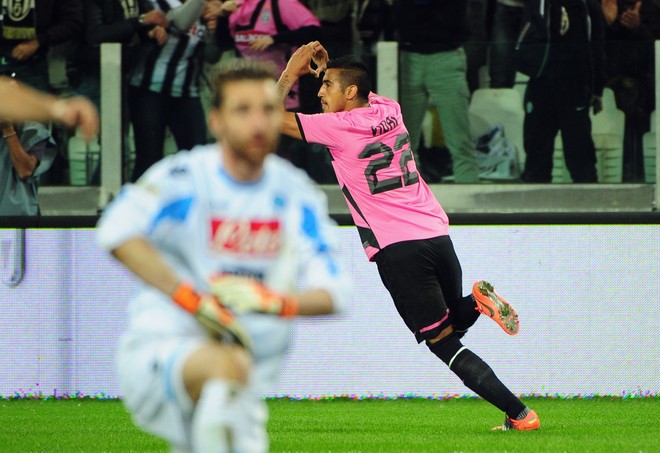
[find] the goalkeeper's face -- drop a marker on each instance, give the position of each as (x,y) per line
(249,121)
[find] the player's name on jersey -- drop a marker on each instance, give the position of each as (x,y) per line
(386,125)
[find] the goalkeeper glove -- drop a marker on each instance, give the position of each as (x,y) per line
(247,295)
(218,322)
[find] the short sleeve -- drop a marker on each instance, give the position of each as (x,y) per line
(327,129)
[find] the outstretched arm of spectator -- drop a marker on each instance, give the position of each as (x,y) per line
(21,103)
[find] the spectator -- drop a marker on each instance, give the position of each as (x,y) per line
(476,43)
(29,28)
(215,56)
(433,67)
(630,73)
(560,99)
(108,21)
(268,31)
(26,151)
(508,17)
(164,86)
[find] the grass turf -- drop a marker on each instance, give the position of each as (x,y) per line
(406,425)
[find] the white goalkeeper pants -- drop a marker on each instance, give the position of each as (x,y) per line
(152,389)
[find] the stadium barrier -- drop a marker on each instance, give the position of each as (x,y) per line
(585,294)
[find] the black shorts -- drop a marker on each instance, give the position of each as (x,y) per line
(425,280)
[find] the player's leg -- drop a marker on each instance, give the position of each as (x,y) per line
(158,403)
(462,309)
(410,278)
(479,377)
(476,374)
(411,272)
(215,377)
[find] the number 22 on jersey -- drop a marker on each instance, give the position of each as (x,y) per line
(406,178)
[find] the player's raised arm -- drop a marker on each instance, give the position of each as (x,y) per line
(299,65)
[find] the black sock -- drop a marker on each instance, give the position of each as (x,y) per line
(477,375)
(465,314)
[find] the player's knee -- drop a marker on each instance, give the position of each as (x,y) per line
(234,365)
(216,361)
(446,347)
(444,333)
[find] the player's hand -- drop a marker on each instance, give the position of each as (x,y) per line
(217,320)
(242,294)
(220,323)
(299,63)
(319,57)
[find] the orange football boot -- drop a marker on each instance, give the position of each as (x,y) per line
(494,306)
(529,423)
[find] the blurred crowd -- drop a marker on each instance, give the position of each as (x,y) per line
(448,49)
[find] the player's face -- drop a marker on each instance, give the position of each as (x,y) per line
(249,121)
(333,98)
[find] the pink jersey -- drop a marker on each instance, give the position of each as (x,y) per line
(377,173)
(246,25)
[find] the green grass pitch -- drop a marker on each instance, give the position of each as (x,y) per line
(600,424)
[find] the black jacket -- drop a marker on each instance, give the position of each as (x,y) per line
(57,21)
(105,22)
(576,48)
(430,26)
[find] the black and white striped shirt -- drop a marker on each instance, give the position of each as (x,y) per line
(173,68)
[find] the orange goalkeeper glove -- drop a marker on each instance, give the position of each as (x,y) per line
(218,322)
(242,294)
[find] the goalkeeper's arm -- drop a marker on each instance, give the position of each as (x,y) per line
(141,258)
(243,294)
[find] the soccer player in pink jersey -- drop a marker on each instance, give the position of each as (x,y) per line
(403,228)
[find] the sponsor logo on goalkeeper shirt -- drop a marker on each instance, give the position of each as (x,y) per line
(246,237)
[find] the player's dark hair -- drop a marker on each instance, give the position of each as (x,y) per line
(352,72)
(239,69)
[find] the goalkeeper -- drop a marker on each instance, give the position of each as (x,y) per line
(219,236)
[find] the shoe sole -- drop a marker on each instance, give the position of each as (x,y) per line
(496,308)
